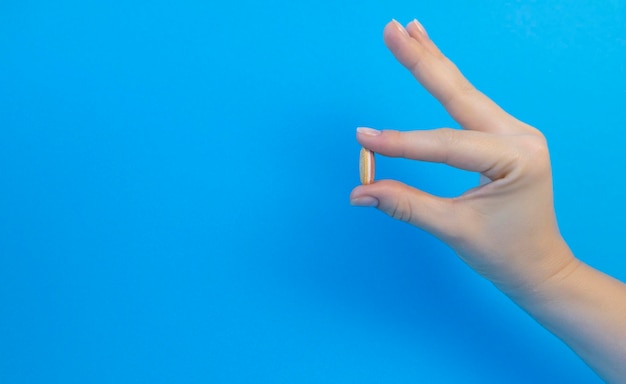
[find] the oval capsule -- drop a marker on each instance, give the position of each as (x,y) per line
(367,166)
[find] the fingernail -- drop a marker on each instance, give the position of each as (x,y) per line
(364,201)
(420,27)
(400,27)
(368,131)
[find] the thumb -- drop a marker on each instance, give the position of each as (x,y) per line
(408,204)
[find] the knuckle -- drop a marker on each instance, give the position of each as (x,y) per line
(402,210)
(447,135)
(448,138)
(534,156)
(464,87)
(535,146)
(461,90)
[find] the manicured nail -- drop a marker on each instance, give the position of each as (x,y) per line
(368,131)
(364,201)
(420,27)
(400,27)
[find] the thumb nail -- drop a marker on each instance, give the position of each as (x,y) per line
(364,201)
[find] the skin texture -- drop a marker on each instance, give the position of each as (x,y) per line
(505,228)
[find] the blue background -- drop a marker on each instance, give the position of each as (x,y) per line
(174,181)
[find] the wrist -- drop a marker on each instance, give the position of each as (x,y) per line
(540,272)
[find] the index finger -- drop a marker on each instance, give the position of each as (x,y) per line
(488,154)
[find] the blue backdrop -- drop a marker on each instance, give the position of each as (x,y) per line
(174,181)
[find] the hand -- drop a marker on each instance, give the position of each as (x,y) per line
(505,228)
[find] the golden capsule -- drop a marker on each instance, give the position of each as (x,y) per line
(367,166)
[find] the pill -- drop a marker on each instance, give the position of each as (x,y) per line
(367,166)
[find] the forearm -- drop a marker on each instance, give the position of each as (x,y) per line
(587,310)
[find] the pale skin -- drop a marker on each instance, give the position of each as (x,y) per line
(505,228)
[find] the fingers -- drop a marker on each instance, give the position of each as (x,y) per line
(491,155)
(408,204)
(469,107)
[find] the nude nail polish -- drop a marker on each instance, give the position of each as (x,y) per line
(400,27)
(420,27)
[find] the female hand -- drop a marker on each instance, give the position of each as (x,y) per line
(505,228)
